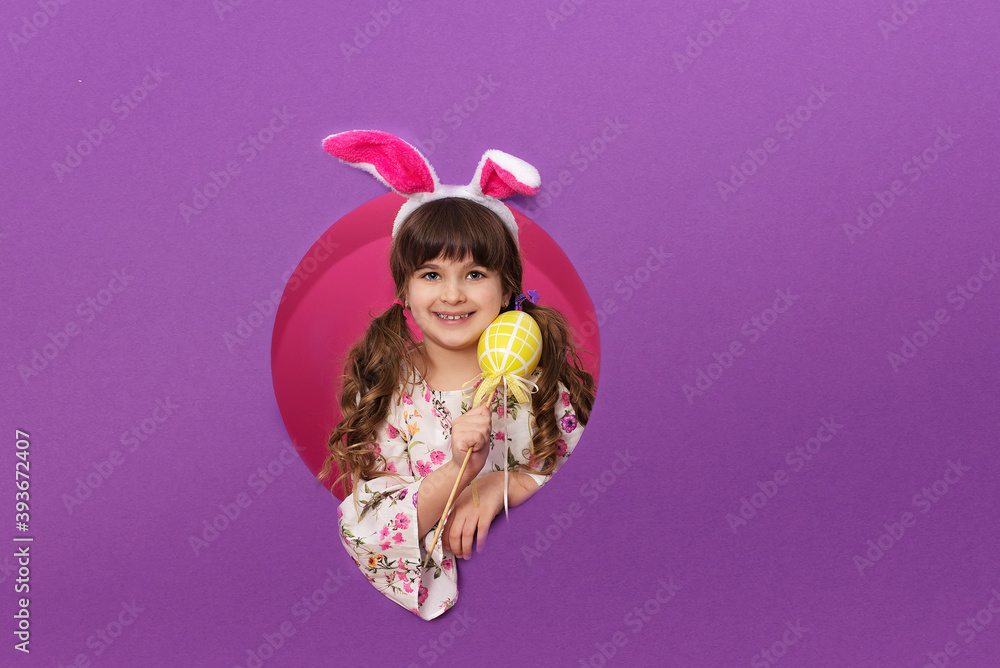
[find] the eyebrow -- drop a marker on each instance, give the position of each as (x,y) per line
(431,265)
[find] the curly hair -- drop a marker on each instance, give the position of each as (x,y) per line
(452,228)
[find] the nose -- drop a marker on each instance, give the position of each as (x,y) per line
(452,292)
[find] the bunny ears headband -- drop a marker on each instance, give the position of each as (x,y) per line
(403,169)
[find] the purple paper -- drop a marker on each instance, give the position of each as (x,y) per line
(786,215)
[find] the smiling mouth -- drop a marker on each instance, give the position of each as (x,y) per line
(452,318)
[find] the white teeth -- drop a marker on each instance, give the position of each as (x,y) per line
(453,317)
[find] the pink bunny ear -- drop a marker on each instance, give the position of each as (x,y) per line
(386,157)
(501,175)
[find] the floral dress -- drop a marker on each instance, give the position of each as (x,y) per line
(378,523)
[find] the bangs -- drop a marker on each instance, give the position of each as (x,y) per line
(453,228)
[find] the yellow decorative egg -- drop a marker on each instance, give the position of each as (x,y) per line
(509,350)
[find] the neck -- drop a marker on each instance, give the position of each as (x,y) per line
(446,370)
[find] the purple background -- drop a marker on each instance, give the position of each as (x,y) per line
(682,127)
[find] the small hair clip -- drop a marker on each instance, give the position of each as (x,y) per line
(531,296)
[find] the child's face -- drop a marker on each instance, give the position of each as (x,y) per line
(442,289)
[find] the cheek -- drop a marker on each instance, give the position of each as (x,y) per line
(414,295)
(495,292)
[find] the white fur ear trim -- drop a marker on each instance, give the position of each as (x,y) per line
(501,175)
(402,168)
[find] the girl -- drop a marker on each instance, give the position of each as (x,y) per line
(407,421)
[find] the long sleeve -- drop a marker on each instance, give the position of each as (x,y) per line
(378,523)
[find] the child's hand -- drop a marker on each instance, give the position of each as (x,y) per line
(467,521)
(471,431)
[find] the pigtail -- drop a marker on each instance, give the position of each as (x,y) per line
(376,366)
(560,362)
(380,363)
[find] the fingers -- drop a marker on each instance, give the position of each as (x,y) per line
(460,530)
(480,411)
(467,524)
(478,417)
(454,530)
(471,441)
(480,421)
(477,440)
(468,533)
(484,528)
(471,431)
(483,425)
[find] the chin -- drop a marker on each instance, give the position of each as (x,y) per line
(453,344)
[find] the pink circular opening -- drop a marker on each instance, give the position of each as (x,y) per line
(344,279)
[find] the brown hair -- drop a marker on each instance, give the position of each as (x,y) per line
(380,362)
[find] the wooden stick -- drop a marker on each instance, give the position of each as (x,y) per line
(447,507)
